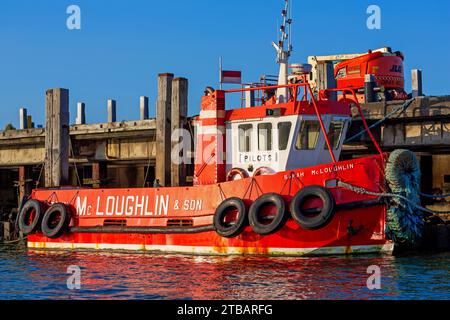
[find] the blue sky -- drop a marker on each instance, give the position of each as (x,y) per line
(123,45)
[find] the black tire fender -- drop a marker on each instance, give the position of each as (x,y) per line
(323,217)
(55,231)
(29,207)
(230,230)
(278,221)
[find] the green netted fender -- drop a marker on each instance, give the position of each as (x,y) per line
(404,224)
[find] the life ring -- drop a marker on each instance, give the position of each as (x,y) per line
(258,221)
(30,216)
(404,224)
(318,220)
(236,172)
(56,221)
(230,229)
(263,171)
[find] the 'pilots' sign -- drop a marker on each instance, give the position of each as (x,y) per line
(258,158)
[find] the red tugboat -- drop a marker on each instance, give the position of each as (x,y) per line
(267,182)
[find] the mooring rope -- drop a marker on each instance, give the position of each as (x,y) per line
(14,241)
(401,108)
(435,196)
(361,190)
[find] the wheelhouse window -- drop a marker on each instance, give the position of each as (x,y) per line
(308,135)
(245,137)
(284,131)
(335,134)
(264,136)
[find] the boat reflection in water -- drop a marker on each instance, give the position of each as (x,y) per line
(130,276)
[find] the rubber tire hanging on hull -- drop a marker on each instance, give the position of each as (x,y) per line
(279,220)
(326,213)
(54,232)
(24,226)
(227,230)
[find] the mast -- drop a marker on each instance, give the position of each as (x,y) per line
(284,50)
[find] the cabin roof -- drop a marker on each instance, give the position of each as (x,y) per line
(287,109)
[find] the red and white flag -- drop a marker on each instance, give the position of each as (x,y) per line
(231,77)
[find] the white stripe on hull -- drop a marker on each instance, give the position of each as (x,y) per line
(382,248)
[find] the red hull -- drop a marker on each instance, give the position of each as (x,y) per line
(158,208)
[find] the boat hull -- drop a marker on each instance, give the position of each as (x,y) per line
(154,220)
(291,240)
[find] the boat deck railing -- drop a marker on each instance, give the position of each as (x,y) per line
(303,90)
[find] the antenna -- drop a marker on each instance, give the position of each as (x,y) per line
(284,34)
(284,49)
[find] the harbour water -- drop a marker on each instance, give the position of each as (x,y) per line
(26,274)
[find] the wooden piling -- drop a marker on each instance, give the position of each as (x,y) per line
(325,74)
(81,113)
(6,231)
(23,121)
(179,124)
(249,97)
(57,138)
(29,122)
(163,127)
(426,181)
(144,108)
(416,83)
(112,111)
(442,237)
(369,88)
(99,174)
(25,179)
